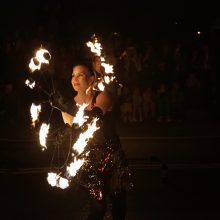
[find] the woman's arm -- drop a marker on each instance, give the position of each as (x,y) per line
(67,118)
(104,102)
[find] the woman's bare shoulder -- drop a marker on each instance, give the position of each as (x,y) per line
(104,95)
(104,101)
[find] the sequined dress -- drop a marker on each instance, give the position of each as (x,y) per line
(106,168)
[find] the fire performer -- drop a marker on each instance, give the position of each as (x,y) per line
(106,171)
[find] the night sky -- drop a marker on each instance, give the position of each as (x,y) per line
(129,17)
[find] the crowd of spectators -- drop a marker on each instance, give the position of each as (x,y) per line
(162,80)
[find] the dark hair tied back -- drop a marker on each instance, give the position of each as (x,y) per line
(84,62)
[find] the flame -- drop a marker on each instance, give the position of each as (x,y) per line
(80,119)
(101,86)
(56,180)
(40,58)
(52,178)
(43,135)
(108,68)
(83,139)
(63,183)
(74,166)
(35,110)
(108,77)
(33,66)
(30,84)
(79,146)
(95,47)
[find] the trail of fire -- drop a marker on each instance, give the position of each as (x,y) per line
(109,77)
(56,179)
(35,111)
(43,135)
(42,56)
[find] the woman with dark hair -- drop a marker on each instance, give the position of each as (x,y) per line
(97,66)
(106,171)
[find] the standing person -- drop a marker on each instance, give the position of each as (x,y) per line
(106,172)
(97,66)
(112,88)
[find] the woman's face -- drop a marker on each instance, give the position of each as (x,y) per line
(81,78)
(97,64)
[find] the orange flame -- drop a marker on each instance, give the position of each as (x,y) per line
(35,111)
(96,48)
(40,58)
(29,84)
(80,119)
(43,135)
(79,146)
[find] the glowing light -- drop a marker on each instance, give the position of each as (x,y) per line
(96,48)
(101,86)
(52,178)
(30,84)
(107,79)
(78,148)
(63,183)
(108,68)
(79,153)
(35,111)
(34,66)
(75,166)
(80,119)
(42,56)
(43,135)
(80,144)
(56,180)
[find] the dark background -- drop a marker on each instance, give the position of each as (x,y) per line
(137,18)
(175,165)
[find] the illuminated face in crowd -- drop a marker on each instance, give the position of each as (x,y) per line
(82,79)
(97,64)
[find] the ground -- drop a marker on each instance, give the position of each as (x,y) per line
(175,169)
